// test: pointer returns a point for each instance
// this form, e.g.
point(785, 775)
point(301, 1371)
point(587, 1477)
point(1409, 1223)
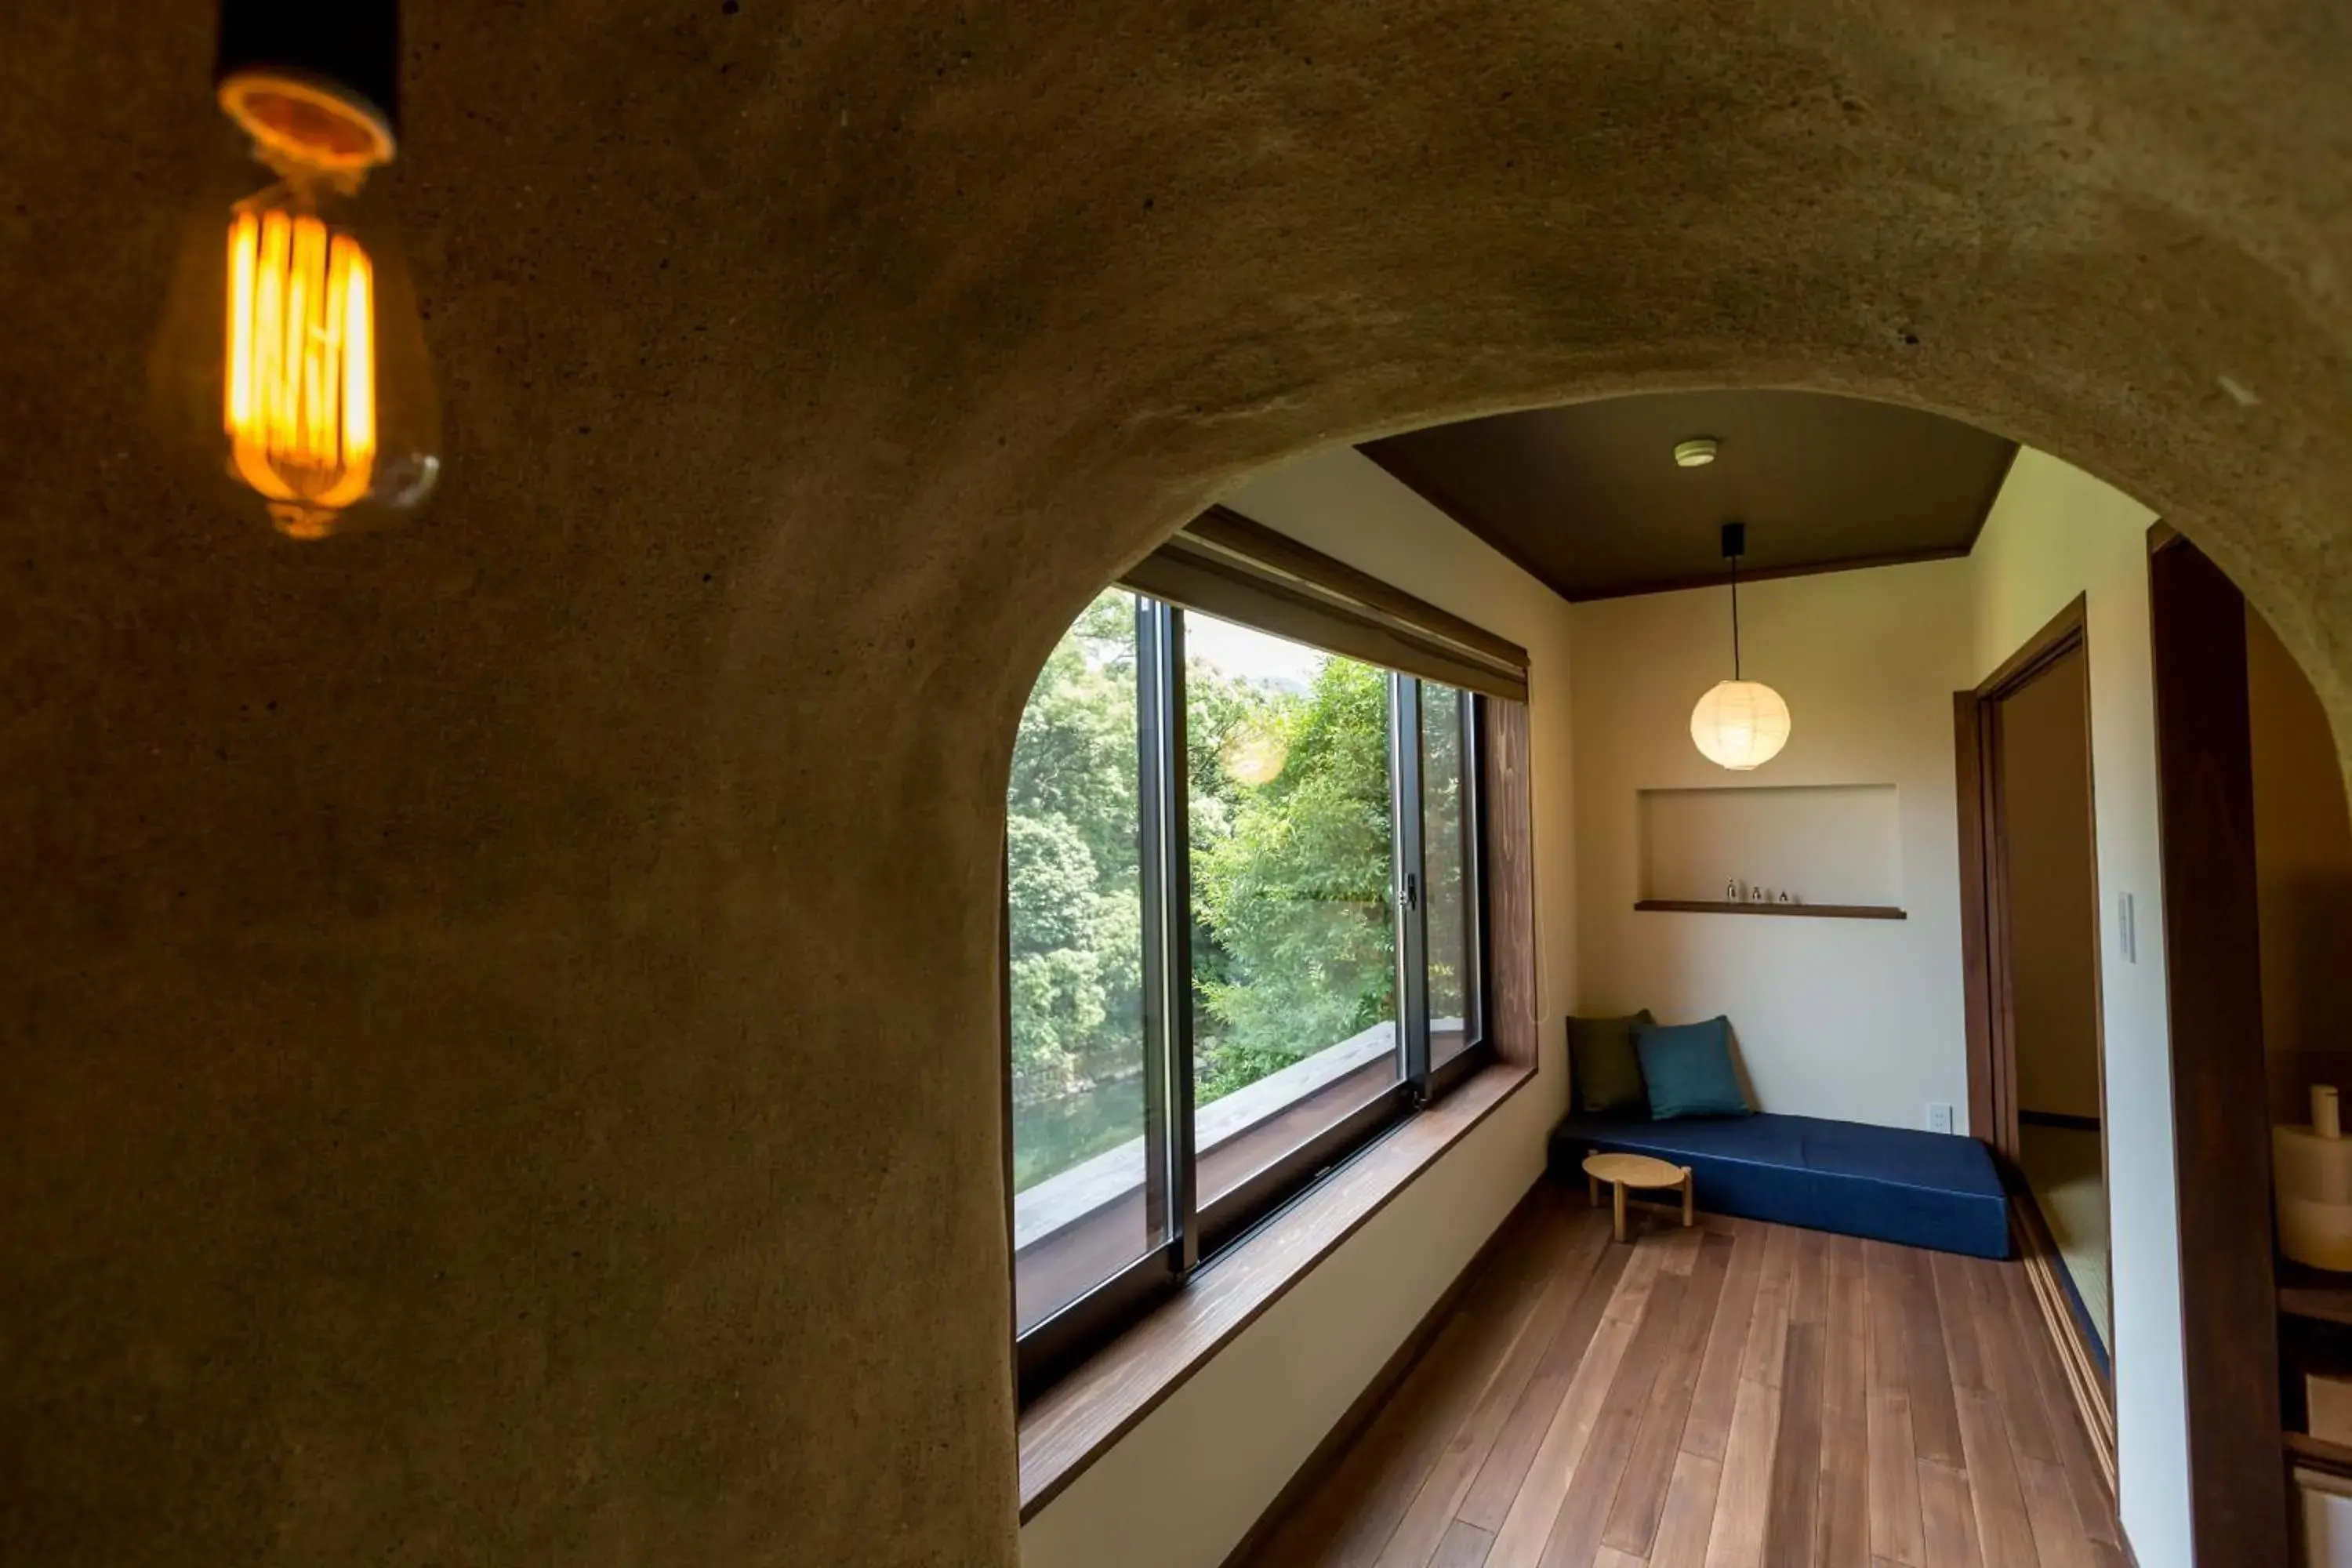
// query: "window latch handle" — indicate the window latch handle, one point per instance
point(1412, 891)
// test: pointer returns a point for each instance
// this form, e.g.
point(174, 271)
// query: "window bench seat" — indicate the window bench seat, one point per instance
point(1891, 1184)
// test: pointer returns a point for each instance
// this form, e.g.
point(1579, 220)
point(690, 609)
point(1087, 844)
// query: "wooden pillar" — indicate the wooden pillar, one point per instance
point(2212, 948)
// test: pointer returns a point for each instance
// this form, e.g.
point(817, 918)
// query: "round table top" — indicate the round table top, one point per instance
point(1633, 1170)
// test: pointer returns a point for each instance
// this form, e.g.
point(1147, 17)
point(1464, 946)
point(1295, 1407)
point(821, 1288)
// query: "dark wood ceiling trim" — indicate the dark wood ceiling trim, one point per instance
point(1401, 469)
point(1992, 494)
point(1751, 574)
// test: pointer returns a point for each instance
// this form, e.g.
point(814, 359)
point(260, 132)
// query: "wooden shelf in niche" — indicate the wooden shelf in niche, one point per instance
point(1819, 911)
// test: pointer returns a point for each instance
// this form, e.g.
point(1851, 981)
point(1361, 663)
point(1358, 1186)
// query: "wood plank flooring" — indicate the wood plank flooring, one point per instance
point(1742, 1396)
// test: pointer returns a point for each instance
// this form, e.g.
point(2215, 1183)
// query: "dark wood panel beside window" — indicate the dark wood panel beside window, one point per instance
point(1510, 881)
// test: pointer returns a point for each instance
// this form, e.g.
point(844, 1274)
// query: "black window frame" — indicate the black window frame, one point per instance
point(1440, 1078)
point(1197, 1234)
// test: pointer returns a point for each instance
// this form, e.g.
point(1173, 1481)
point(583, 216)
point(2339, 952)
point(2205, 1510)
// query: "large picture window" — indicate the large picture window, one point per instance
point(1244, 938)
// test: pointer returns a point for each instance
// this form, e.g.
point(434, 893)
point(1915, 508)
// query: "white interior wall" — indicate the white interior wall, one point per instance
point(1857, 1020)
point(1826, 843)
point(2055, 532)
point(1182, 1488)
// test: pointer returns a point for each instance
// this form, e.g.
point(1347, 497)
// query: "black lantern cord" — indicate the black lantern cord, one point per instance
point(1735, 545)
point(1734, 617)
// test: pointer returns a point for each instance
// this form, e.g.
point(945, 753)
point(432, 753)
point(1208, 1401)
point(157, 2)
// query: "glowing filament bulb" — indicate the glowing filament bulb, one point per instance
point(298, 397)
point(289, 374)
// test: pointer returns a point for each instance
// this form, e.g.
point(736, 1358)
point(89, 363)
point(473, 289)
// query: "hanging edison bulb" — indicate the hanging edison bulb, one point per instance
point(291, 366)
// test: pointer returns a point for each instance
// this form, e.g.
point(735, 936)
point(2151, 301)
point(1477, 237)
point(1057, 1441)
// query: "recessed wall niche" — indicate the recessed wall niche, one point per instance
point(1835, 849)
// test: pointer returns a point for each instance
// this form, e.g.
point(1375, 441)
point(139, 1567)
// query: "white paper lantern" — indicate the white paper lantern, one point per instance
point(1740, 724)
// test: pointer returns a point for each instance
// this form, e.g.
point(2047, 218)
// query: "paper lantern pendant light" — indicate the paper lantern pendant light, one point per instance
point(1738, 724)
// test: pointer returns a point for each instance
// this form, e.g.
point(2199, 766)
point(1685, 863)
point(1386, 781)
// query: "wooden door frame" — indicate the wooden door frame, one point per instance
point(2220, 1114)
point(1991, 1001)
point(1984, 871)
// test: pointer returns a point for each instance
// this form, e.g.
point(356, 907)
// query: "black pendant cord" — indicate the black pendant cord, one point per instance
point(1734, 617)
point(1735, 545)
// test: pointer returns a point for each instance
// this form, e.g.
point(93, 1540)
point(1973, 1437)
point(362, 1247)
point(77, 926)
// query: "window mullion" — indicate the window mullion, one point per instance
point(1410, 887)
point(1158, 1163)
point(1473, 863)
point(1173, 932)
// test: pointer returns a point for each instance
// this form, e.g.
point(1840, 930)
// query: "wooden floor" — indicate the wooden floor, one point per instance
point(1736, 1395)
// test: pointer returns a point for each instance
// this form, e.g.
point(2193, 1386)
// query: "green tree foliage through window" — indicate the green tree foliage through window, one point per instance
point(1294, 944)
point(1447, 851)
point(1075, 906)
point(1293, 930)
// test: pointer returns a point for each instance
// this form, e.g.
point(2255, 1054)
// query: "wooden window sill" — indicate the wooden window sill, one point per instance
point(1078, 1419)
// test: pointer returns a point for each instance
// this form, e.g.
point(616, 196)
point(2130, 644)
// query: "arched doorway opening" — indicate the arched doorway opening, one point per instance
point(2030, 554)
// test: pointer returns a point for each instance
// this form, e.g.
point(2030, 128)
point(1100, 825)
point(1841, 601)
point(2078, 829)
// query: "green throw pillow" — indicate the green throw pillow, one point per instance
point(1602, 1063)
point(1687, 1067)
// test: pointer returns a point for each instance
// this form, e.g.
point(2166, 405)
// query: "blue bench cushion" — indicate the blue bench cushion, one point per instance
point(1921, 1189)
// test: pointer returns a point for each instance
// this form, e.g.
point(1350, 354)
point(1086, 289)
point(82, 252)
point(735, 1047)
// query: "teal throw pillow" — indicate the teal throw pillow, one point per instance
point(1602, 1063)
point(1688, 1069)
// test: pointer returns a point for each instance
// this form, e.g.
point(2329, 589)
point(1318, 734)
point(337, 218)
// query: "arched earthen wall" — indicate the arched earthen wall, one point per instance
point(499, 1016)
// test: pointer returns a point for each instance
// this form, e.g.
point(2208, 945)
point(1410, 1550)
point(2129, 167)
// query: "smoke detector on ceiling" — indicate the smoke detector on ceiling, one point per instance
point(1696, 453)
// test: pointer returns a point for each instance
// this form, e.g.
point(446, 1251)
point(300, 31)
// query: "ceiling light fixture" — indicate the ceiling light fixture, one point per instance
point(291, 363)
point(1696, 453)
point(1738, 724)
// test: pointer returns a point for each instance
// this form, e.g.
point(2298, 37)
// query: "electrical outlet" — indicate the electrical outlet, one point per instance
point(1939, 1117)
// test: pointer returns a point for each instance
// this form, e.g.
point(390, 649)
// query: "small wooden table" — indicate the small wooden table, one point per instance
point(1622, 1171)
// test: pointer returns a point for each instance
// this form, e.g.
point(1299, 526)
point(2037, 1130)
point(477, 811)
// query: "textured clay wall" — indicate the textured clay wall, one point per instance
point(500, 1059)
